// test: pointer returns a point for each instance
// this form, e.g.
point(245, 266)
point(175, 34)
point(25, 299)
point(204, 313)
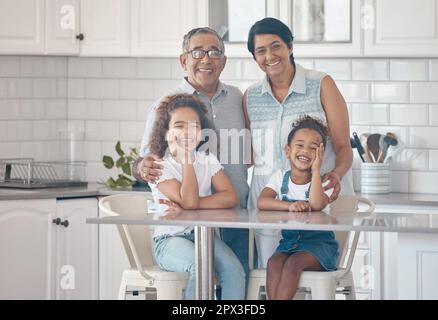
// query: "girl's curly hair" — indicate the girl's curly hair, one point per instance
point(307, 122)
point(158, 144)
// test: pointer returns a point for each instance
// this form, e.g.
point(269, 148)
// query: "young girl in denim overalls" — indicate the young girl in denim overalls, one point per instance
point(299, 189)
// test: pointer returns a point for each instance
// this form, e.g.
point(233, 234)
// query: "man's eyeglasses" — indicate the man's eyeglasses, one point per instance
point(199, 53)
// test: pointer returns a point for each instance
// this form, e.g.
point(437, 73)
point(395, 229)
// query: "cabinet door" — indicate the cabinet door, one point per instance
point(105, 26)
point(403, 28)
point(77, 245)
point(62, 25)
point(159, 31)
point(21, 26)
point(26, 249)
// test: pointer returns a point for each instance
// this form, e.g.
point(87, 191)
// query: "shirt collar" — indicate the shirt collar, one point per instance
point(298, 83)
point(186, 87)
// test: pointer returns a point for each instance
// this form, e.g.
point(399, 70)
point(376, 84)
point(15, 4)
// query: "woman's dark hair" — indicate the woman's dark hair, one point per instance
point(307, 122)
point(158, 144)
point(271, 26)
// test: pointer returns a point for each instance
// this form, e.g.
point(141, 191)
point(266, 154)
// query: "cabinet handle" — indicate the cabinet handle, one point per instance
point(57, 221)
point(64, 223)
point(80, 36)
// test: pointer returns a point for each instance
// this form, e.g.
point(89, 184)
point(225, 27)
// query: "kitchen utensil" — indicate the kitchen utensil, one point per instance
point(390, 139)
point(373, 145)
point(358, 145)
point(363, 140)
point(393, 150)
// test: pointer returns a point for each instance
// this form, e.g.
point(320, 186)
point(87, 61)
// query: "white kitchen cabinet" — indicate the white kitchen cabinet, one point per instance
point(105, 25)
point(401, 28)
point(22, 26)
point(47, 251)
point(62, 27)
point(158, 30)
point(76, 250)
point(27, 249)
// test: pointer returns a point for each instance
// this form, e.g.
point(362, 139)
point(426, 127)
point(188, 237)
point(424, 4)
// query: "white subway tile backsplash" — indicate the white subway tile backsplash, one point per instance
point(92, 151)
point(305, 63)
point(338, 69)
point(143, 107)
point(75, 88)
point(19, 130)
point(101, 130)
point(409, 114)
point(424, 92)
point(9, 66)
point(154, 68)
point(20, 88)
point(369, 69)
point(62, 86)
point(119, 109)
point(177, 70)
point(409, 69)
point(433, 114)
point(3, 88)
point(119, 68)
point(9, 109)
point(95, 171)
point(84, 109)
point(56, 109)
point(163, 87)
point(45, 88)
point(433, 70)
point(33, 66)
point(232, 70)
point(136, 89)
point(131, 130)
point(44, 130)
point(354, 91)
point(251, 70)
point(399, 181)
point(411, 159)
point(56, 67)
point(363, 114)
point(10, 149)
point(433, 160)
point(102, 88)
point(84, 67)
point(423, 137)
point(33, 149)
point(423, 182)
point(32, 109)
point(3, 132)
point(72, 125)
point(390, 92)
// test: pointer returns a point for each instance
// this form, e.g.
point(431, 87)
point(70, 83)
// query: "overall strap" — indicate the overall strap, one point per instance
point(285, 186)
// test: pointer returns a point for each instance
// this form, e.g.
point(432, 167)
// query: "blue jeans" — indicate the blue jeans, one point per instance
point(177, 253)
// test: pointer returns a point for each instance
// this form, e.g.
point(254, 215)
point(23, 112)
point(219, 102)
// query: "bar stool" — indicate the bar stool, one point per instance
point(144, 271)
point(323, 285)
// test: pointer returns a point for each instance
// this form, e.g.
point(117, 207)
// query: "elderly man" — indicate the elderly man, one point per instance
point(203, 60)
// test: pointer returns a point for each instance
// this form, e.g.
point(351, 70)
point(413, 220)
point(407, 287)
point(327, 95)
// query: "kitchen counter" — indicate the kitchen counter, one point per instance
point(92, 190)
point(95, 189)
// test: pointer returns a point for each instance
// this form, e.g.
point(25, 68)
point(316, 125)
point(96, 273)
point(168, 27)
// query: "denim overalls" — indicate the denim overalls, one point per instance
point(321, 244)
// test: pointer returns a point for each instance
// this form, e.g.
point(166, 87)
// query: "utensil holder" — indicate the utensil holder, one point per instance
point(375, 177)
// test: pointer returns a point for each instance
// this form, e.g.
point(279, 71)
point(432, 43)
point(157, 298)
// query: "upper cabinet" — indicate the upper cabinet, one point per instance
point(402, 28)
point(158, 30)
point(22, 26)
point(105, 27)
point(151, 28)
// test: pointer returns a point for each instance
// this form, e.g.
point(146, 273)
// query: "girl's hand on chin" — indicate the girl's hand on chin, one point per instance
point(319, 155)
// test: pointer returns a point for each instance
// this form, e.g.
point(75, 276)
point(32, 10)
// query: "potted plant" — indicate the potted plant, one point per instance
point(124, 163)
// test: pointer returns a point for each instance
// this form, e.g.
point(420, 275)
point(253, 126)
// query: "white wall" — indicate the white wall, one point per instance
point(107, 100)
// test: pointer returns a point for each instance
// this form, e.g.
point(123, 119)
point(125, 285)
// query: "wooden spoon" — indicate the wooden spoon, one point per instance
point(373, 145)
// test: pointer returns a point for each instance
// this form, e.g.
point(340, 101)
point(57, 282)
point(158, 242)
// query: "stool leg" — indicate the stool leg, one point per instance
point(323, 290)
point(169, 290)
point(254, 286)
point(122, 290)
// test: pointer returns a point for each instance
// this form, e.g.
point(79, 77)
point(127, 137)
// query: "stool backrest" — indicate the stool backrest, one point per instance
point(348, 206)
point(136, 239)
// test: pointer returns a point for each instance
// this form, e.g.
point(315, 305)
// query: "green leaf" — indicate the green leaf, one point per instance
point(124, 181)
point(126, 168)
point(120, 162)
point(108, 162)
point(111, 183)
point(119, 149)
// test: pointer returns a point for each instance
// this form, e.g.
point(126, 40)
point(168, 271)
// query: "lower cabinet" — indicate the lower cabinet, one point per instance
point(47, 251)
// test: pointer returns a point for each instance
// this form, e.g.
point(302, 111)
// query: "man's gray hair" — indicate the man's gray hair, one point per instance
point(194, 32)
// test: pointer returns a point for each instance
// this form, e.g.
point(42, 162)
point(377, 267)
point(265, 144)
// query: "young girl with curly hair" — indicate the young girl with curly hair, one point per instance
point(185, 183)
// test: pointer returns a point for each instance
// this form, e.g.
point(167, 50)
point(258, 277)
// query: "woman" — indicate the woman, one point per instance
point(271, 106)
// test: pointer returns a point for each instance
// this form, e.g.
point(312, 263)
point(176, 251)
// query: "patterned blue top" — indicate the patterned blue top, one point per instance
point(271, 122)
